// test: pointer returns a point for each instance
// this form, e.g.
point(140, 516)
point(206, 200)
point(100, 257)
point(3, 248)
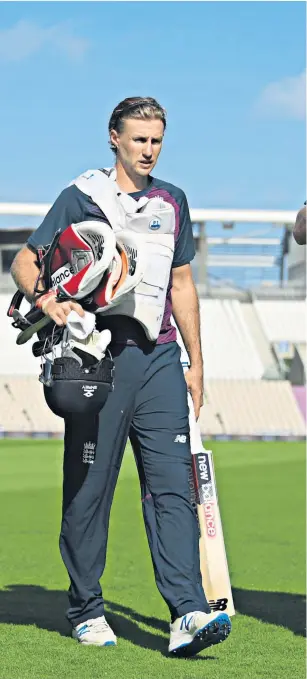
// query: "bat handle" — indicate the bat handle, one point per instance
point(26, 334)
point(195, 435)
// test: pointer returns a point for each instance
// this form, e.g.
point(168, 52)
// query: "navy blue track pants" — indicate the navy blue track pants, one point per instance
point(148, 405)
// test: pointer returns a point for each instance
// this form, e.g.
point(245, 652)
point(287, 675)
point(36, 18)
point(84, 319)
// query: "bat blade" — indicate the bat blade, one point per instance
point(213, 559)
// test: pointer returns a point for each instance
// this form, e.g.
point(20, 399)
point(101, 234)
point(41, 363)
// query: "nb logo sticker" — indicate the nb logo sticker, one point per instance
point(218, 605)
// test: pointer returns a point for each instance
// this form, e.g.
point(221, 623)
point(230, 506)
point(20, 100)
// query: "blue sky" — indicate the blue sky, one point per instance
point(230, 74)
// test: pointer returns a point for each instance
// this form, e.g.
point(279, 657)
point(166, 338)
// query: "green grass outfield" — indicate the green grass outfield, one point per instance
point(262, 498)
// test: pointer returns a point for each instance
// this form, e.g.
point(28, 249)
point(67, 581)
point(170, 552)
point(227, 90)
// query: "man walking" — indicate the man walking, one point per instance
point(148, 403)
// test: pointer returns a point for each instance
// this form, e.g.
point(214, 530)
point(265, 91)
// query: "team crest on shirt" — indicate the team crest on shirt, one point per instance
point(154, 224)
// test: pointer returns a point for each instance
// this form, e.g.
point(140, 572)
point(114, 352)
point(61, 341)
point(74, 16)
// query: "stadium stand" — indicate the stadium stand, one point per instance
point(300, 396)
point(12, 418)
point(240, 400)
point(301, 348)
point(228, 347)
point(17, 360)
point(253, 322)
point(210, 418)
point(282, 321)
point(232, 407)
point(254, 408)
point(23, 407)
point(257, 333)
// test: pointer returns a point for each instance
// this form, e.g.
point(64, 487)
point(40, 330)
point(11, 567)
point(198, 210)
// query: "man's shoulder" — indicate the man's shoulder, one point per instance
point(75, 205)
point(73, 197)
point(177, 193)
point(71, 194)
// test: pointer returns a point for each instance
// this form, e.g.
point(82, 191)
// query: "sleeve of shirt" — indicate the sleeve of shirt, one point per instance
point(184, 246)
point(66, 210)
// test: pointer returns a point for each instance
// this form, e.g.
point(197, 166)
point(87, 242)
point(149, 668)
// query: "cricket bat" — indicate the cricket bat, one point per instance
point(213, 559)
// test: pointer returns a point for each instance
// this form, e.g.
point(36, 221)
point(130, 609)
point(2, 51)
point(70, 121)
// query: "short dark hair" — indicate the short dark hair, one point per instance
point(144, 108)
point(299, 229)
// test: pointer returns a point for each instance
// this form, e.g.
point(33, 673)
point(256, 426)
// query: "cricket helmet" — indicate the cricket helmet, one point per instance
point(71, 388)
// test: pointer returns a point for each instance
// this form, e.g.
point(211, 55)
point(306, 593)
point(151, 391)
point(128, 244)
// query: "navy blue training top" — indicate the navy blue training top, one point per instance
point(73, 206)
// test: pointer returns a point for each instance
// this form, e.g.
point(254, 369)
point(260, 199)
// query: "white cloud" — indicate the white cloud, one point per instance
point(285, 99)
point(26, 38)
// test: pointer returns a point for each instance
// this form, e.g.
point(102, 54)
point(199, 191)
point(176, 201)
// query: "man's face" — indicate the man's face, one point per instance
point(139, 145)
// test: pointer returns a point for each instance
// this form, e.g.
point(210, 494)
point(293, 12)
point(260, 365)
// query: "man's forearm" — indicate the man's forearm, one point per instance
point(25, 272)
point(186, 314)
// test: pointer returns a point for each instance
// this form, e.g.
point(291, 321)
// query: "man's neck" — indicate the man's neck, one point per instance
point(130, 183)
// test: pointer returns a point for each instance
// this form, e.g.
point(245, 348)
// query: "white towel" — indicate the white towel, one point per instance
point(103, 341)
point(80, 327)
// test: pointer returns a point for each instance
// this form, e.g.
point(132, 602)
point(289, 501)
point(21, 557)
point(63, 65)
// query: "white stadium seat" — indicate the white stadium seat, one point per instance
point(255, 408)
point(23, 407)
point(229, 350)
point(282, 321)
point(14, 359)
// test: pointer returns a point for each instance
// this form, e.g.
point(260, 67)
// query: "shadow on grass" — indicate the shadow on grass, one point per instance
point(277, 608)
point(34, 605)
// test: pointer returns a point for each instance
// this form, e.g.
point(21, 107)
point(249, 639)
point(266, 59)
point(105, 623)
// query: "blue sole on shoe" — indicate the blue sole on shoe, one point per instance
point(213, 633)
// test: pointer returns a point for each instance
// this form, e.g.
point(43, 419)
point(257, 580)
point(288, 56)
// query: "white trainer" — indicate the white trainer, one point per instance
point(94, 632)
point(195, 631)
